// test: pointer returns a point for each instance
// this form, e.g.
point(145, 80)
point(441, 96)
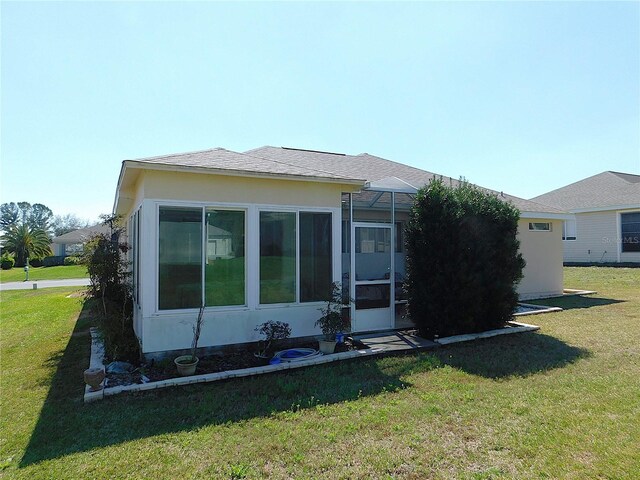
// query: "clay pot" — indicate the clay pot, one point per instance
point(94, 377)
point(185, 366)
point(327, 347)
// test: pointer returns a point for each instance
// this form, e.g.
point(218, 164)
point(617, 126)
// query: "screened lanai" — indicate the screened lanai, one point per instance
point(373, 254)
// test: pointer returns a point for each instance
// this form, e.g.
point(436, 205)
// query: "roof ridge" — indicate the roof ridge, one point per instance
point(280, 162)
point(169, 155)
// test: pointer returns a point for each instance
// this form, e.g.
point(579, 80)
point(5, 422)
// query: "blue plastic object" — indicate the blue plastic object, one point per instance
point(275, 360)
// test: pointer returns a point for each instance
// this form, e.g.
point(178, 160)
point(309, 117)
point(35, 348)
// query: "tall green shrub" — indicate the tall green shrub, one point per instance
point(463, 260)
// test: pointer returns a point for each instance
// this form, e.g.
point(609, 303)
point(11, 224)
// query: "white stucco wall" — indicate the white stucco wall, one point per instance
point(172, 330)
point(598, 239)
point(543, 253)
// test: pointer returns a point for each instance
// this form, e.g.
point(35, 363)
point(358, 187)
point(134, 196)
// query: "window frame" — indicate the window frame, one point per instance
point(203, 206)
point(570, 238)
point(297, 211)
point(532, 229)
point(620, 225)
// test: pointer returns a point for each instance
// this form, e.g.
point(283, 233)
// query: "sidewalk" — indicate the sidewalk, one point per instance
point(71, 282)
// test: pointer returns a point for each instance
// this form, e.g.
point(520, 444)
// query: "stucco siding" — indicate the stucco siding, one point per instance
point(543, 253)
point(246, 190)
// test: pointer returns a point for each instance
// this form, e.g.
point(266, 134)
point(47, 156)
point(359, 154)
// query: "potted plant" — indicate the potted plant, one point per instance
point(187, 364)
point(272, 331)
point(332, 322)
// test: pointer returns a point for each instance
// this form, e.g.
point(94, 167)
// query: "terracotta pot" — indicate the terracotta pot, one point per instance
point(327, 347)
point(185, 366)
point(94, 377)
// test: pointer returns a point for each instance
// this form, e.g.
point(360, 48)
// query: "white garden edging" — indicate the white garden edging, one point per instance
point(516, 328)
point(96, 361)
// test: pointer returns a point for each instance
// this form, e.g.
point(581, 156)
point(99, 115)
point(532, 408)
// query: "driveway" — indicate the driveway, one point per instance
point(71, 282)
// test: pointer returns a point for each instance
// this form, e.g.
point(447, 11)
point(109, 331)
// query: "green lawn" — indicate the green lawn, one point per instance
point(563, 402)
point(16, 274)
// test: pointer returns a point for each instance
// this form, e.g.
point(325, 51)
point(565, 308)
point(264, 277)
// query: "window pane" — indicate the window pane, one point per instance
point(180, 258)
point(346, 245)
point(277, 257)
point(539, 226)
point(315, 256)
point(224, 258)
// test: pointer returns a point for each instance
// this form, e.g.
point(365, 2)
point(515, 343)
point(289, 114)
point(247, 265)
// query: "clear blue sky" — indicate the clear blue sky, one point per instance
point(519, 97)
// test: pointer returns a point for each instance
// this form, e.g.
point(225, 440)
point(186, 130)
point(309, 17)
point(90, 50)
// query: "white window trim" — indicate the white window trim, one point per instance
point(566, 238)
point(252, 252)
point(550, 229)
point(203, 206)
point(296, 210)
point(619, 232)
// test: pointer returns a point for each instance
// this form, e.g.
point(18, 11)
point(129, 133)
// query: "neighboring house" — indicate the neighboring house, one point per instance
point(71, 243)
point(606, 227)
point(260, 235)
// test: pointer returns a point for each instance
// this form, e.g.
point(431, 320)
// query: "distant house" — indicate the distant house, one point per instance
point(606, 227)
point(71, 243)
point(260, 235)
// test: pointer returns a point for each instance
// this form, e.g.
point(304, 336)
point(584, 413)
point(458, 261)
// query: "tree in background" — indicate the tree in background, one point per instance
point(62, 224)
point(26, 242)
point(463, 260)
point(36, 216)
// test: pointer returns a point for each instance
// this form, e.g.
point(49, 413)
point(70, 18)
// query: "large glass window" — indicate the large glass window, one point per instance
point(315, 256)
point(630, 225)
point(277, 257)
point(180, 258)
point(224, 258)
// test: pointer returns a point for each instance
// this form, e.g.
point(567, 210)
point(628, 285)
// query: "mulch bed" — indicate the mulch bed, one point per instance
point(217, 362)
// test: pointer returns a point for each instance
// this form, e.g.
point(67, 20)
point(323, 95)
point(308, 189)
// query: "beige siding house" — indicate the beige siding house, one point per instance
point(260, 235)
point(606, 223)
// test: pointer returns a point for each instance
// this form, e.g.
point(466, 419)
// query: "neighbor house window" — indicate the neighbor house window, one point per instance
point(285, 239)
point(277, 257)
point(224, 257)
point(630, 235)
point(180, 258)
point(569, 230)
point(540, 226)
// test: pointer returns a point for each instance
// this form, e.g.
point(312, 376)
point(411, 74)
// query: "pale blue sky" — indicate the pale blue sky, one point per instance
point(519, 97)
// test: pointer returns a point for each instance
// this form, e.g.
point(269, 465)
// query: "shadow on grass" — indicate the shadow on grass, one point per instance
point(520, 354)
point(578, 301)
point(68, 426)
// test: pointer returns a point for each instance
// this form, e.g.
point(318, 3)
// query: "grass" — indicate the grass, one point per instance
point(560, 403)
point(16, 274)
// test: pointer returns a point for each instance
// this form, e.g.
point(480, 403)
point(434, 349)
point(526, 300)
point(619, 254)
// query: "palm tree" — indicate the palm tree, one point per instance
point(26, 242)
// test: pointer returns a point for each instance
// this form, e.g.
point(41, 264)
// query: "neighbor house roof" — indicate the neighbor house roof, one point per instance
point(81, 235)
point(378, 170)
point(604, 191)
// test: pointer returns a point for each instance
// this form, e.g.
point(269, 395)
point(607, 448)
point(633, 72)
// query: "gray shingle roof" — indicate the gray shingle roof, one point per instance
point(222, 159)
point(607, 189)
point(376, 168)
point(283, 161)
point(81, 235)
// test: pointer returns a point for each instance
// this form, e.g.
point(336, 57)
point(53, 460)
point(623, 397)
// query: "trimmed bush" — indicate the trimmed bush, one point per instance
point(463, 263)
point(6, 261)
point(36, 262)
point(53, 261)
point(72, 261)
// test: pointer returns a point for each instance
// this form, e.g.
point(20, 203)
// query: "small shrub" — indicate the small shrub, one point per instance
point(332, 320)
point(72, 261)
point(36, 262)
point(53, 261)
point(272, 332)
point(6, 261)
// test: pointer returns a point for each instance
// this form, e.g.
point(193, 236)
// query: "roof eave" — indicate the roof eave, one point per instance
point(239, 173)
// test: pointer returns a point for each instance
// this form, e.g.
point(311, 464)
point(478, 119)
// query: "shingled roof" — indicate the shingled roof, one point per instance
point(606, 189)
point(314, 165)
point(377, 168)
